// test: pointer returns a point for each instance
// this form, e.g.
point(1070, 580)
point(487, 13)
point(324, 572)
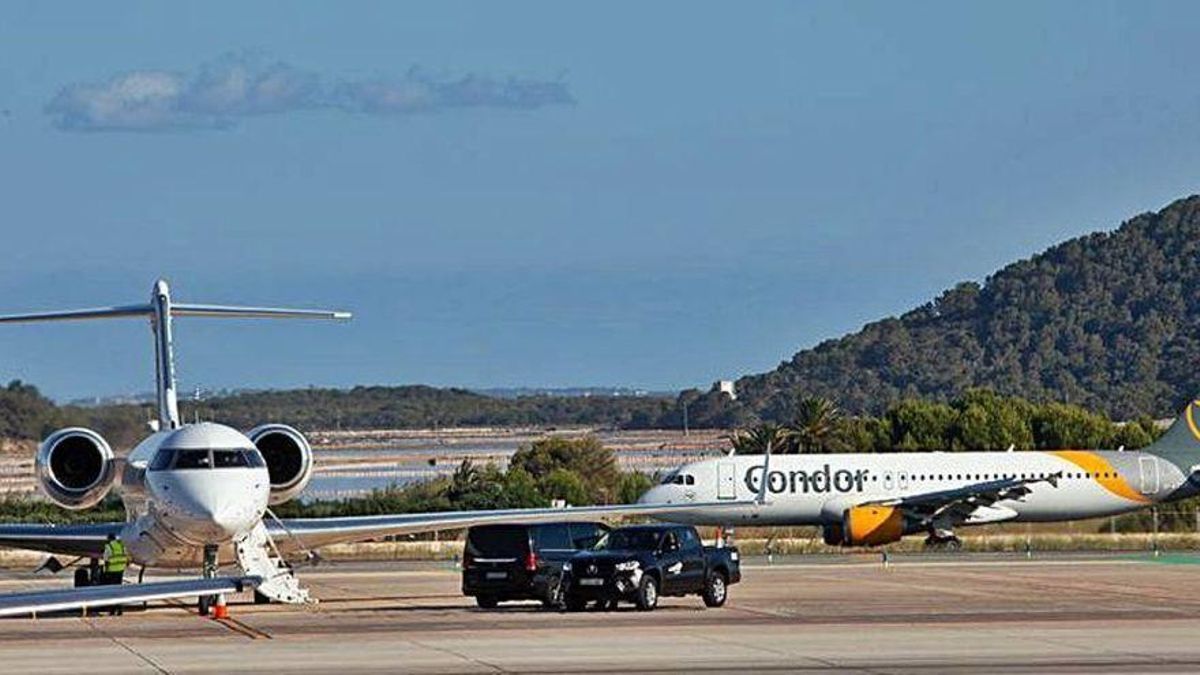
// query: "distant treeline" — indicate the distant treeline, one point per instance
point(977, 420)
point(25, 413)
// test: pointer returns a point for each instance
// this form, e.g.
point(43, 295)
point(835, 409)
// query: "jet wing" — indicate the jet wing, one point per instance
point(958, 504)
point(35, 602)
point(315, 532)
point(74, 540)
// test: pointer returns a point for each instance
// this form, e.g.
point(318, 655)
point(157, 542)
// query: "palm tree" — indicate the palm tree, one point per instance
point(754, 440)
point(812, 425)
point(465, 480)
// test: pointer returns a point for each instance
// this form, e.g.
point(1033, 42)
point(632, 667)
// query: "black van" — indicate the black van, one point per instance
point(522, 562)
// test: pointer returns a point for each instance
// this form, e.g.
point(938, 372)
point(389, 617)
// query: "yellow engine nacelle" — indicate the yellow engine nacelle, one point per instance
point(872, 525)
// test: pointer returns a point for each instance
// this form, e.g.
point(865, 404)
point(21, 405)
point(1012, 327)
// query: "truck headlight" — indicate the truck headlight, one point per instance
point(567, 566)
point(627, 566)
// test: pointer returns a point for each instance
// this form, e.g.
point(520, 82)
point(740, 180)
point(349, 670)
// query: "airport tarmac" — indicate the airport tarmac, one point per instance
point(998, 613)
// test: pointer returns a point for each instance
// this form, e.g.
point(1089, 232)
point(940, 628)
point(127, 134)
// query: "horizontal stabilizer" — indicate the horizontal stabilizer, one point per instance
point(179, 309)
point(231, 312)
point(81, 314)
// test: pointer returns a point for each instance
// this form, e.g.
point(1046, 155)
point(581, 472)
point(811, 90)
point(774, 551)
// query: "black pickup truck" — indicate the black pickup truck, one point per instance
point(641, 563)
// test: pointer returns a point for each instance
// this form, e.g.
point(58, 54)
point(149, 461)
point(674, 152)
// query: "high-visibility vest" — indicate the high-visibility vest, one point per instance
point(115, 558)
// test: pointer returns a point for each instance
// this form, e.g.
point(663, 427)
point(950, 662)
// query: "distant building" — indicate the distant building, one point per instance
point(726, 387)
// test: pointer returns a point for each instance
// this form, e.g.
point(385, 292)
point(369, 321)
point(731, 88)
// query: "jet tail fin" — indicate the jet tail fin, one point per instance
point(1181, 444)
point(161, 310)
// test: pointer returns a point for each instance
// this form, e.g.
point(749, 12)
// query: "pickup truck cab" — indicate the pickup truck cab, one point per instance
point(642, 563)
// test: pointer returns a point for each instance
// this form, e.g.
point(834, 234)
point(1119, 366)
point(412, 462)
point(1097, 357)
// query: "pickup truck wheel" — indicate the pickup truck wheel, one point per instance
point(647, 594)
point(487, 601)
point(716, 589)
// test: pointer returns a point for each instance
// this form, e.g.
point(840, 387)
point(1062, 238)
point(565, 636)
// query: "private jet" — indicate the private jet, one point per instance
point(198, 496)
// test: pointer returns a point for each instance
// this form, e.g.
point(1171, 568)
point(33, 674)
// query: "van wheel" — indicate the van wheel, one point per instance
point(487, 601)
point(647, 594)
point(716, 590)
point(574, 603)
point(82, 577)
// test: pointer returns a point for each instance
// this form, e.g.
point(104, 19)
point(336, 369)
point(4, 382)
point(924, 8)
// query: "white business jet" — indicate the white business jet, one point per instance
point(198, 496)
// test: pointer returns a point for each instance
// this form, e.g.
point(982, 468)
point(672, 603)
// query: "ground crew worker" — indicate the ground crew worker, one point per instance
point(115, 562)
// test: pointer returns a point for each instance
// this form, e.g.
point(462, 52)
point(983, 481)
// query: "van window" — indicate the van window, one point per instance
point(498, 541)
point(552, 537)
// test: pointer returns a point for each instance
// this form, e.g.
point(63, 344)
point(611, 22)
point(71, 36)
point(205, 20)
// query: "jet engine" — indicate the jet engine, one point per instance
point(289, 459)
point(75, 467)
point(872, 525)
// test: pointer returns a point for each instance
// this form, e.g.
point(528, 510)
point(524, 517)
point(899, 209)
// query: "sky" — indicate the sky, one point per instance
point(652, 195)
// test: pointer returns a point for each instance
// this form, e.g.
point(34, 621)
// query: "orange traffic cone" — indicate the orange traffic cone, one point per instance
point(221, 610)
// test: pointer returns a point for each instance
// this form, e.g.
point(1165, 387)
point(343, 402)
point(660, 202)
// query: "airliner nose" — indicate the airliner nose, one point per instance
point(659, 494)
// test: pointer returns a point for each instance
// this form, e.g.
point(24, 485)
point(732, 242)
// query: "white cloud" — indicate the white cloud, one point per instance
point(234, 86)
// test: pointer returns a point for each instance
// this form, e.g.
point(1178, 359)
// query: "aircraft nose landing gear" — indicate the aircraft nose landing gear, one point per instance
point(206, 602)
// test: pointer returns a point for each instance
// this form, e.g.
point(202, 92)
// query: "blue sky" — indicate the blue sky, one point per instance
point(552, 194)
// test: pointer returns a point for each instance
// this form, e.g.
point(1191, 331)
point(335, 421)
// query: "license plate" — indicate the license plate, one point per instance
point(497, 575)
point(591, 582)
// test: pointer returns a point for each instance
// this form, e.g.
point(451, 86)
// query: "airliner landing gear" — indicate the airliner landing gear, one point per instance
point(943, 542)
point(209, 571)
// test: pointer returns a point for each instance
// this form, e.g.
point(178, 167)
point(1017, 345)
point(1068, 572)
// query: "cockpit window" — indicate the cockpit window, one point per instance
point(192, 459)
point(223, 459)
point(234, 458)
point(162, 459)
point(679, 479)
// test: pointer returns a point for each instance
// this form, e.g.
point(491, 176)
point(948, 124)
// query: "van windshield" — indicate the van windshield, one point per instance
point(498, 541)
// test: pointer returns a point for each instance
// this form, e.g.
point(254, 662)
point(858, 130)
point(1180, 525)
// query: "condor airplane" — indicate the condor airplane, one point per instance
point(198, 496)
point(874, 499)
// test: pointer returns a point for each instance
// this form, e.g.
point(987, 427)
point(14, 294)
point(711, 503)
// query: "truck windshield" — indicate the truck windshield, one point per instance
point(628, 540)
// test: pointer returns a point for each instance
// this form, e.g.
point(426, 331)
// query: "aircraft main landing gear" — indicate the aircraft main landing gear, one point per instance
point(936, 542)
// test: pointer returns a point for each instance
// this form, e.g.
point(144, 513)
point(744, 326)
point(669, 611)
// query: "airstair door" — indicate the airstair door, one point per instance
point(1150, 477)
point(726, 480)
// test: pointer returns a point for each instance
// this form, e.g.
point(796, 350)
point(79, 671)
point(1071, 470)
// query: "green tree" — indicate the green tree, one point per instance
point(633, 484)
point(587, 458)
point(920, 425)
point(755, 440)
point(566, 485)
point(987, 421)
point(812, 425)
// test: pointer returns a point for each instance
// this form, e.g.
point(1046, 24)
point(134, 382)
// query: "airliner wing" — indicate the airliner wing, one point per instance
point(314, 532)
point(89, 597)
point(959, 503)
point(76, 540)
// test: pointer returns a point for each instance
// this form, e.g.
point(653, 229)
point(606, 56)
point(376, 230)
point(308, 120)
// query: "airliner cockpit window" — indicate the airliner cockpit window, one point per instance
point(670, 478)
